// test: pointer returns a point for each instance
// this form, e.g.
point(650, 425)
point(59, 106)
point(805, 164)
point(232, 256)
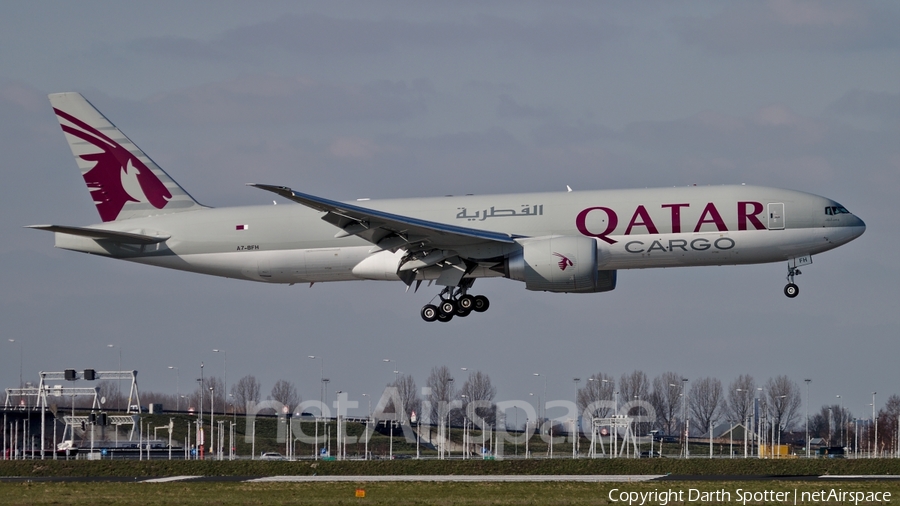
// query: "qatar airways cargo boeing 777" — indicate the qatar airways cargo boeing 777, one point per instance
point(571, 242)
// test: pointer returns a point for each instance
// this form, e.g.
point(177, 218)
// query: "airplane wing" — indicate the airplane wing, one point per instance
point(387, 230)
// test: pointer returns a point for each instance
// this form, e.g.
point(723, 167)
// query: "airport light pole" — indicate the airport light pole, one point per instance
point(212, 415)
point(807, 380)
point(684, 416)
point(224, 369)
point(369, 421)
point(177, 387)
point(447, 435)
point(200, 417)
point(338, 425)
point(778, 426)
point(746, 420)
point(875, 421)
point(576, 423)
point(842, 420)
point(760, 433)
point(544, 404)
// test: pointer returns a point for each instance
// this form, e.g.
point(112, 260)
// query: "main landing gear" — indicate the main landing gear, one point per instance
point(791, 289)
point(454, 302)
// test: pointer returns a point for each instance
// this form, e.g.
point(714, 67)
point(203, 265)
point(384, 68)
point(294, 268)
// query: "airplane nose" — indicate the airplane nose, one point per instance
point(859, 224)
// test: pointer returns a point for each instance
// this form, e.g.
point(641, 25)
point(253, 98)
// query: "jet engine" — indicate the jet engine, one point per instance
point(560, 264)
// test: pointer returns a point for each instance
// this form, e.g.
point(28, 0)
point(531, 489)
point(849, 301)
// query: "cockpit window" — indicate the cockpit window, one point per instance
point(833, 210)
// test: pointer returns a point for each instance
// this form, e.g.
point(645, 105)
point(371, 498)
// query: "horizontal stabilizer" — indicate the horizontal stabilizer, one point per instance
point(106, 235)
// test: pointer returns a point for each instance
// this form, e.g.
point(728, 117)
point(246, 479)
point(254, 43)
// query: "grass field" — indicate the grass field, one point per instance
point(147, 494)
point(682, 467)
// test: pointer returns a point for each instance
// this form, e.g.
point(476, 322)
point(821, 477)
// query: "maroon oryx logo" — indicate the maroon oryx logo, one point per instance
point(113, 164)
point(564, 261)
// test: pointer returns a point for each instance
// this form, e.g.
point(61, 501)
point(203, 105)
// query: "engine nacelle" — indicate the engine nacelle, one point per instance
point(560, 264)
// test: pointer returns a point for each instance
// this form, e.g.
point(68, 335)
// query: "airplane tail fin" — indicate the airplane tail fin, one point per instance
point(124, 182)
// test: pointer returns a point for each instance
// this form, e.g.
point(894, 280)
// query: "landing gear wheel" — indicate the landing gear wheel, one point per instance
point(481, 304)
point(466, 302)
point(462, 313)
point(444, 318)
point(791, 290)
point(448, 306)
point(429, 313)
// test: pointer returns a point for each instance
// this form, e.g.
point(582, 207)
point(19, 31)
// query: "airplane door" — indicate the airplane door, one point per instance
point(776, 216)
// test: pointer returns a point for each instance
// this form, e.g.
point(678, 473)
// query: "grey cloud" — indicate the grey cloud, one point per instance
point(270, 99)
point(509, 108)
point(773, 143)
point(322, 35)
point(557, 132)
point(744, 27)
point(178, 48)
point(882, 105)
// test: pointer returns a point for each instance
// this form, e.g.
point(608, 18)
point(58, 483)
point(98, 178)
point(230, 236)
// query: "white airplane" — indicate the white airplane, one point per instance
point(567, 241)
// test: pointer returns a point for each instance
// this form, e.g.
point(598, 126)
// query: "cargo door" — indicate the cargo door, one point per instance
point(776, 216)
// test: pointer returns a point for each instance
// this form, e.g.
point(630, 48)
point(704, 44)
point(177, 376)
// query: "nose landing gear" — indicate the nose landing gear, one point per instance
point(454, 302)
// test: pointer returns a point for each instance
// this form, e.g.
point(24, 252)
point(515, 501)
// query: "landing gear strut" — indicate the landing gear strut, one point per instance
point(791, 289)
point(455, 302)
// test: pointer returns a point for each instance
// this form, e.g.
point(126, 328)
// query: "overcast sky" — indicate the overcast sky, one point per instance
point(395, 99)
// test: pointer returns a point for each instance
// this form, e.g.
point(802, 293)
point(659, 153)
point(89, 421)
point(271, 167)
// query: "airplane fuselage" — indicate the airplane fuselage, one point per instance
point(633, 229)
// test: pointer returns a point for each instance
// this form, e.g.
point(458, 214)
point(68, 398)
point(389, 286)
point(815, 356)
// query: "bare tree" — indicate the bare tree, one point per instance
point(441, 384)
point(478, 387)
point(888, 418)
point(634, 386)
point(706, 402)
point(245, 391)
point(666, 399)
point(818, 424)
point(828, 423)
point(286, 393)
point(167, 400)
point(741, 393)
point(784, 399)
point(633, 389)
point(409, 396)
point(599, 387)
